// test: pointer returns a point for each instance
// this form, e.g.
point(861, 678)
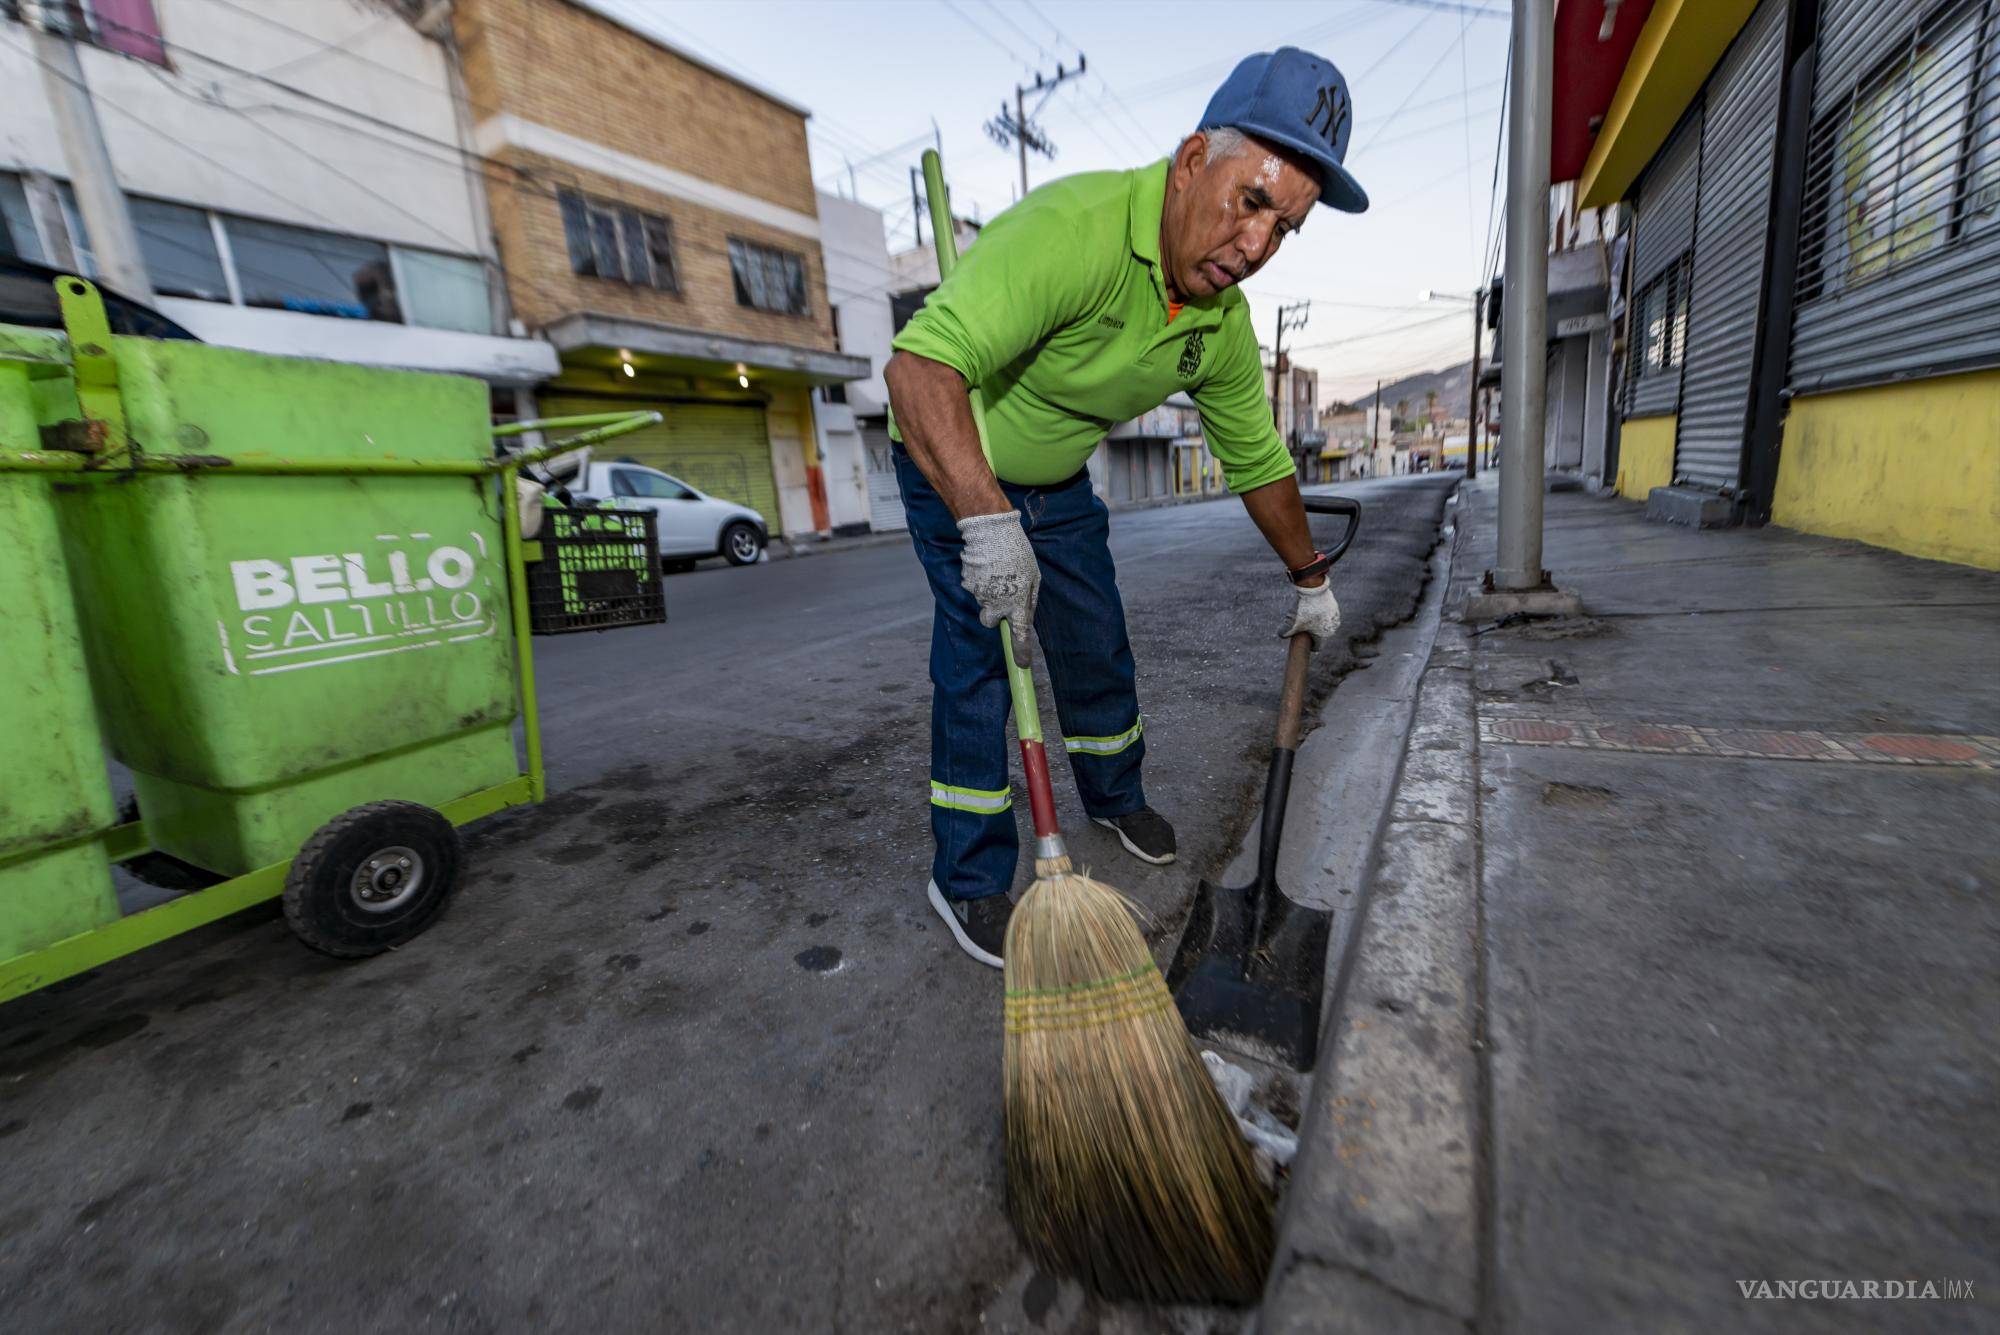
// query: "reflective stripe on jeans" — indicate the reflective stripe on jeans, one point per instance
point(979, 801)
point(1105, 746)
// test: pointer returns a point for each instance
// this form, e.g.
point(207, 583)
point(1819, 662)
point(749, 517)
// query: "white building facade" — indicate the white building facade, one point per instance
point(861, 489)
point(295, 174)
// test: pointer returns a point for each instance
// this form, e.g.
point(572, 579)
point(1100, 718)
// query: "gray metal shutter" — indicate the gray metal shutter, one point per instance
point(1661, 235)
point(1738, 141)
point(1938, 310)
point(722, 449)
point(885, 494)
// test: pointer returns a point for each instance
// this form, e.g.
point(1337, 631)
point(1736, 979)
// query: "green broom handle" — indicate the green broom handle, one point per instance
point(1020, 680)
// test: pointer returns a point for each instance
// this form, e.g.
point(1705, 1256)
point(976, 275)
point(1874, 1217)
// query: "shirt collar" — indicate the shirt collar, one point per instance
point(1149, 194)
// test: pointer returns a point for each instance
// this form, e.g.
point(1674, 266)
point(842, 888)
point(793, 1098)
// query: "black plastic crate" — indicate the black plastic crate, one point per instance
point(600, 569)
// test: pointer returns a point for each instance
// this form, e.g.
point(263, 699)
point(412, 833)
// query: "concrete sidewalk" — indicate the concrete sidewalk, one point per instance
point(1679, 964)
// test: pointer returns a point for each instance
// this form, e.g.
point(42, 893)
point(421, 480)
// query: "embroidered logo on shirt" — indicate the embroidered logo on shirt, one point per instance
point(1109, 320)
point(1190, 356)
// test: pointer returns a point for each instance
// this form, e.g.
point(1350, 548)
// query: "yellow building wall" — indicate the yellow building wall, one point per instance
point(1913, 467)
point(1645, 455)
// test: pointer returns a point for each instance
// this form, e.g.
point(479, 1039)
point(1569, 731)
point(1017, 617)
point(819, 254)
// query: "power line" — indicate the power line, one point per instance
point(1465, 98)
point(1419, 82)
point(1378, 333)
point(1493, 191)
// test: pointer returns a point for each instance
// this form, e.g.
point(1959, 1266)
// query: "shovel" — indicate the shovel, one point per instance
point(1251, 967)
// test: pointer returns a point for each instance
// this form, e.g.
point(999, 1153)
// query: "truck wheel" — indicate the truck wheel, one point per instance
point(742, 544)
point(371, 878)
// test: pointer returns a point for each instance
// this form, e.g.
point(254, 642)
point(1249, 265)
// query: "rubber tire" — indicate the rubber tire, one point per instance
point(729, 548)
point(318, 905)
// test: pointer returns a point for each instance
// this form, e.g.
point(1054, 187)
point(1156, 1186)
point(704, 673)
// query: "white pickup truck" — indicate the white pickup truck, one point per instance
point(691, 523)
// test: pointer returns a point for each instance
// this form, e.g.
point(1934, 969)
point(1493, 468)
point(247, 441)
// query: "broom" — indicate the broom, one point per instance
point(1124, 1166)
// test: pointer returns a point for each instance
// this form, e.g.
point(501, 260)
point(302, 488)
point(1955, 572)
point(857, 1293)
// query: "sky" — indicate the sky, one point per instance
point(883, 77)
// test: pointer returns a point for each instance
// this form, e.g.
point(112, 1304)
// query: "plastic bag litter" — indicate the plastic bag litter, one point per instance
point(1259, 1127)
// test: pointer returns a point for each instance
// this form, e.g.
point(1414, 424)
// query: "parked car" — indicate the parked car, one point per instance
point(692, 523)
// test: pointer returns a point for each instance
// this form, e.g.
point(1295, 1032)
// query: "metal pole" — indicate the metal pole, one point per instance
point(114, 242)
point(1375, 434)
point(1524, 313)
point(1472, 392)
point(916, 208)
point(1021, 135)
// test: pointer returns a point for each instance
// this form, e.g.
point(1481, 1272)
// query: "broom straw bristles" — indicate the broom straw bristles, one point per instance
point(1124, 1166)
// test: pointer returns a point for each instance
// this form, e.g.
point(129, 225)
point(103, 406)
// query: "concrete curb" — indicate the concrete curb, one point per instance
point(1382, 1223)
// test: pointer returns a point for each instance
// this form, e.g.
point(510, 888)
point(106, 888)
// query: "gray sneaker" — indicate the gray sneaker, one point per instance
point(978, 925)
point(1145, 834)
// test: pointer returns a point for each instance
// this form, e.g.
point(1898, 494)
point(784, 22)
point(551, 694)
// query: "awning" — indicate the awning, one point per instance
point(1670, 60)
point(1590, 55)
point(590, 339)
point(1579, 288)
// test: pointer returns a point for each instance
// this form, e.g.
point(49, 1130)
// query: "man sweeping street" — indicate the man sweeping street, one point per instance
point(1086, 304)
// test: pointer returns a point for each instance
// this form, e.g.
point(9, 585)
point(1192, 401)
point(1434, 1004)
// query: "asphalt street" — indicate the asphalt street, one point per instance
point(690, 1050)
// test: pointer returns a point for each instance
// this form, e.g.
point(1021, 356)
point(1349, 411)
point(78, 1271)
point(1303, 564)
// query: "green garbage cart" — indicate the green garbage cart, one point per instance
point(299, 593)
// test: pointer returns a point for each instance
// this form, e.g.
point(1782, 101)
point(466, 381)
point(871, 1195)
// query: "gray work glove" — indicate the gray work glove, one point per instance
point(1317, 614)
point(998, 569)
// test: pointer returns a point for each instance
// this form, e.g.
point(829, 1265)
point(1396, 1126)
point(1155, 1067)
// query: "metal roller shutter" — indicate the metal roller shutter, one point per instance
point(1663, 232)
point(1732, 216)
point(885, 494)
point(720, 448)
point(1899, 264)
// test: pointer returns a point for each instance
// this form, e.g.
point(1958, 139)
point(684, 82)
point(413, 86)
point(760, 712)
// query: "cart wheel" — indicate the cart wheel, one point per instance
point(372, 878)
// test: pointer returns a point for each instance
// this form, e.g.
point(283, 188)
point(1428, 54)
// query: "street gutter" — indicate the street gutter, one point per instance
point(1380, 1224)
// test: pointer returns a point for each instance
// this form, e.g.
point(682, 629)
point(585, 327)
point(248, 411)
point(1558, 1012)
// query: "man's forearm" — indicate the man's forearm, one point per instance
point(1281, 517)
point(935, 420)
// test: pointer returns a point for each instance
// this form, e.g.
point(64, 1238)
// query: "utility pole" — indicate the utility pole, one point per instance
point(916, 208)
point(1517, 582)
point(1285, 321)
point(1523, 383)
point(1472, 391)
point(114, 242)
point(1017, 127)
point(1375, 442)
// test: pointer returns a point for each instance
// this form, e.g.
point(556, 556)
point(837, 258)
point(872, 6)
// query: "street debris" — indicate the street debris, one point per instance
point(1264, 1131)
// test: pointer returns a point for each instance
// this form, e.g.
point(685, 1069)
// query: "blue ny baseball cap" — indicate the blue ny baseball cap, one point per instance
point(1292, 97)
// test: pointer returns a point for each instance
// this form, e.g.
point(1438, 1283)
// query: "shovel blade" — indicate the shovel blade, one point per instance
point(1271, 1010)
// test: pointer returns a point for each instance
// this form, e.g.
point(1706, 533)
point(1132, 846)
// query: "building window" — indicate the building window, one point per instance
point(443, 291)
point(1911, 159)
point(178, 245)
point(768, 279)
point(18, 237)
point(1659, 321)
point(317, 273)
point(127, 26)
point(618, 243)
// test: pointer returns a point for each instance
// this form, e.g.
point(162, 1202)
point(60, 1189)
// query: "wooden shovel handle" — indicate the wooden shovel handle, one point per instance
point(1292, 702)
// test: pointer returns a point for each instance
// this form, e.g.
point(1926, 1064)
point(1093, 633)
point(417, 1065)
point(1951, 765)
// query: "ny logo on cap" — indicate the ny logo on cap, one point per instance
point(1333, 101)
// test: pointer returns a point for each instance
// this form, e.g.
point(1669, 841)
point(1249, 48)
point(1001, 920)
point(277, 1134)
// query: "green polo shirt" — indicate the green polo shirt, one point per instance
point(1058, 314)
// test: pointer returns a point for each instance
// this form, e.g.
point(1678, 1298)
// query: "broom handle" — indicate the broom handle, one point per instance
point(1292, 701)
point(1020, 680)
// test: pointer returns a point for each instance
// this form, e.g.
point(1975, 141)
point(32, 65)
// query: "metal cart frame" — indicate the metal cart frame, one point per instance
point(104, 447)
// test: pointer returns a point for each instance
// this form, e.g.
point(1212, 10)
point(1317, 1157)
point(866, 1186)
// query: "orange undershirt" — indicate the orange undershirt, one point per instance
point(1173, 309)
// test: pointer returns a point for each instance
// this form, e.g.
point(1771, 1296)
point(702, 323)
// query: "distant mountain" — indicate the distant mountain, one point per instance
point(1452, 383)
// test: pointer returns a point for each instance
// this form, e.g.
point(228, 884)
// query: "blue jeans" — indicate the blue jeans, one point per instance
point(1080, 622)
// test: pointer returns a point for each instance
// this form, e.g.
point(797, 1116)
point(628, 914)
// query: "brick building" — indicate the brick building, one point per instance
point(662, 232)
